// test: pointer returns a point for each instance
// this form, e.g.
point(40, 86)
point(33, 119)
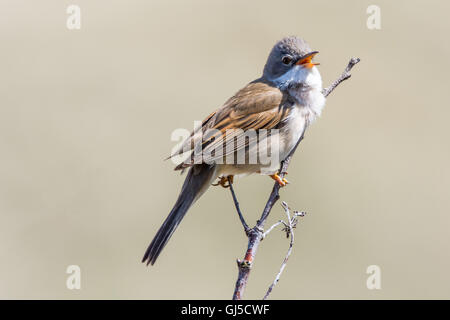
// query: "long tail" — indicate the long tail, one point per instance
point(198, 179)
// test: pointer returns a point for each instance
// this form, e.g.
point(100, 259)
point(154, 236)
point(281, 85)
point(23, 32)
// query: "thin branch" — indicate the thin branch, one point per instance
point(236, 204)
point(289, 228)
point(255, 234)
point(273, 227)
point(344, 76)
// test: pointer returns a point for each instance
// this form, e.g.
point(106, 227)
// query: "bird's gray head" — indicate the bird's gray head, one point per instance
point(289, 62)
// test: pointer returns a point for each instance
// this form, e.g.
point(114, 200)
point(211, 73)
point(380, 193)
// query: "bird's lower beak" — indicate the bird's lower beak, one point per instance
point(305, 61)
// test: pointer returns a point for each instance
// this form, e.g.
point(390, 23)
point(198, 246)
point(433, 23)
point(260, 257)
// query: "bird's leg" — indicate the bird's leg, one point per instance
point(223, 181)
point(281, 182)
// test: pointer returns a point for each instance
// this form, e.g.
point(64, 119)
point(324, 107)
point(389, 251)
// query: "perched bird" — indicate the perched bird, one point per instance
point(285, 99)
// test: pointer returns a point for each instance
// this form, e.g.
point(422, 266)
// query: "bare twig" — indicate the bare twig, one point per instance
point(344, 76)
point(256, 234)
point(289, 228)
point(236, 204)
point(273, 227)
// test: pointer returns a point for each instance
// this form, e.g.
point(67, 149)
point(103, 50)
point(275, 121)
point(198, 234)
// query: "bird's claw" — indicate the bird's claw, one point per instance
point(281, 181)
point(224, 182)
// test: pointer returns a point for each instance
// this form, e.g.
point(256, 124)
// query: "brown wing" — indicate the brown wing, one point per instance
point(257, 106)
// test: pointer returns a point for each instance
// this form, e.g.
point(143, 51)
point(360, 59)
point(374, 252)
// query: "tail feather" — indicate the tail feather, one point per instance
point(197, 181)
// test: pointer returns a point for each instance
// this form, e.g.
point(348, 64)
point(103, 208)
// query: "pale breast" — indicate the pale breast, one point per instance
point(293, 128)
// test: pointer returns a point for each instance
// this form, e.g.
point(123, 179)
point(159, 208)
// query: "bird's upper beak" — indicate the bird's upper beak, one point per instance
point(305, 60)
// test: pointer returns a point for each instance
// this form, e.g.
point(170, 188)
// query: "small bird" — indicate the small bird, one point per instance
point(286, 98)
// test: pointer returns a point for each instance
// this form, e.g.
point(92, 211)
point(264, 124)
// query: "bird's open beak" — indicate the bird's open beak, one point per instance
point(305, 61)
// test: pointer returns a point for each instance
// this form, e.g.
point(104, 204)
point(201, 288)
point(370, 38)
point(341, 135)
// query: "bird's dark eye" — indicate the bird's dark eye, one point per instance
point(286, 59)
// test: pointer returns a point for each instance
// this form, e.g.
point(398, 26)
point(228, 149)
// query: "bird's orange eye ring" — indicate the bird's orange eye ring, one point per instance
point(286, 59)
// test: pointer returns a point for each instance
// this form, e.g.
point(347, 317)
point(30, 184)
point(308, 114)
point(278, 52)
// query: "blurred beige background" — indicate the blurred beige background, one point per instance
point(86, 118)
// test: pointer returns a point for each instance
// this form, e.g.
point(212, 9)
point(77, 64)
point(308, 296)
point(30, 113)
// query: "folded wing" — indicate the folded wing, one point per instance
point(258, 105)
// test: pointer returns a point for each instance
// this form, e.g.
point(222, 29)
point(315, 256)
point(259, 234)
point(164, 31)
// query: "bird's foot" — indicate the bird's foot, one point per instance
point(224, 181)
point(277, 178)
